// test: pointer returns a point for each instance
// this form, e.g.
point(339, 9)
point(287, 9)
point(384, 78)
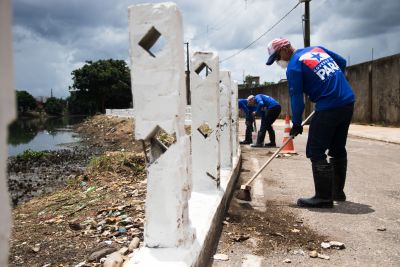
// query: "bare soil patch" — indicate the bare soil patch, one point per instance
point(275, 229)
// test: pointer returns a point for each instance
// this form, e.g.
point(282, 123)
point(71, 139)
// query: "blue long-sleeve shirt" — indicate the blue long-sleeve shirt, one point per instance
point(248, 110)
point(264, 102)
point(319, 73)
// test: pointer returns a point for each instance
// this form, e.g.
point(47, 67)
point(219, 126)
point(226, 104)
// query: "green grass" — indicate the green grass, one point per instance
point(31, 154)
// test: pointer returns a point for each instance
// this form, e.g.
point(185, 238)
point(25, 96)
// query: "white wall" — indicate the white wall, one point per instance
point(7, 114)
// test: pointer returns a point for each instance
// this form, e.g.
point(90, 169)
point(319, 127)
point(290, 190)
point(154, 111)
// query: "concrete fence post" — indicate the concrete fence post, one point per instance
point(158, 85)
point(226, 119)
point(205, 121)
point(7, 114)
point(235, 117)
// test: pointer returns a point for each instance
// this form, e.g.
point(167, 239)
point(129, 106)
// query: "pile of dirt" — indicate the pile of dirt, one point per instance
point(275, 229)
point(99, 209)
point(110, 133)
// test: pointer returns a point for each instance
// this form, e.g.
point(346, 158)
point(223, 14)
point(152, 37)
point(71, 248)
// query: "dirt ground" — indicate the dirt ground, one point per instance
point(263, 227)
point(102, 207)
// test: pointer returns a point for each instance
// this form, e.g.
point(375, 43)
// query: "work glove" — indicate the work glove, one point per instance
point(296, 129)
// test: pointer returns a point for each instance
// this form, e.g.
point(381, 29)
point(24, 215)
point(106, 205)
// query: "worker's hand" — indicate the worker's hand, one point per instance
point(254, 114)
point(296, 129)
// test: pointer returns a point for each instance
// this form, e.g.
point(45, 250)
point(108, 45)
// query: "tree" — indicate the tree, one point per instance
point(54, 106)
point(100, 84)
point(25, 101)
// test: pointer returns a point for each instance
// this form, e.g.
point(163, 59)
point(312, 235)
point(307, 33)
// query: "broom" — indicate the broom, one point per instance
point(244, 192)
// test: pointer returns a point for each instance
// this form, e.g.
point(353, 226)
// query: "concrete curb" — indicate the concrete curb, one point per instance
point(206, 211)
point(214, 232)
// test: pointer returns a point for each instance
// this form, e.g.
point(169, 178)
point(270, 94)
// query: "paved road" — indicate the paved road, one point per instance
point(373, 191)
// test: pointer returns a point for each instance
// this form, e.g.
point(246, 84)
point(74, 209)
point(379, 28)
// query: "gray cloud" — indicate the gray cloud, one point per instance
point(52, 38)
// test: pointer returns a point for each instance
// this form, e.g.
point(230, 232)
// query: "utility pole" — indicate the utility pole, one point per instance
point(188, 101)
point(306, 19)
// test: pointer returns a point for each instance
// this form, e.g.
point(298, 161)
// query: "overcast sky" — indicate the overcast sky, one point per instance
point(54, 37)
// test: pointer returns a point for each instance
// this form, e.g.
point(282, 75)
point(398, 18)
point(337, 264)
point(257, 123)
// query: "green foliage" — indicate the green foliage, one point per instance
point(117, 162)
point(54, 106)
point(99, 85)
point(268, 83)
point(30, 154)
point(25, 101)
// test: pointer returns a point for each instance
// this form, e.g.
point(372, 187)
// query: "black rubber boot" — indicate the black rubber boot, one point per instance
point(271, 134)
point(247, 140)
point(270, 145)
point(260, 140)
point(340, 169)
point(323, 182)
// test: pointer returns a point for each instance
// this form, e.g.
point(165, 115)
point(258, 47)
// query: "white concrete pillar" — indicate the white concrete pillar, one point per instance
point(235, 117)
point(226, 119)
point(7, 114)
point(205, 121)
point(158, 84)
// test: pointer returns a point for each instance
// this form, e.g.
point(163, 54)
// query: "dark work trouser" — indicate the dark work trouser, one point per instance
point(249, 128)
point(266, 124)
point(328, 131)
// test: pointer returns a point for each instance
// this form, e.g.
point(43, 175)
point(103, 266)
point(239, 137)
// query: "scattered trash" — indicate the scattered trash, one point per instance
point(322, 256)
point(337, 245)
point(382, 228)
point(295, 230)
point(332, 244)
point(221, 257)
point(240, 238)
point(325, 245)
point(287, 261)
point(91, 189)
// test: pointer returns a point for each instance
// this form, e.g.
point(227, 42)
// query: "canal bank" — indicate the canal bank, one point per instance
point(100, 209)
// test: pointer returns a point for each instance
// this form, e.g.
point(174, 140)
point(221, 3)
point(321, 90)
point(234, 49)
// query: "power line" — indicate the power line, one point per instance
point(230, 12)
point(262, 35)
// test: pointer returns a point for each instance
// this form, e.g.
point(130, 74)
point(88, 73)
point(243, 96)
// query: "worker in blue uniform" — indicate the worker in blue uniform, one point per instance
point(268, 109)
point(248, 112)
point(319, 73)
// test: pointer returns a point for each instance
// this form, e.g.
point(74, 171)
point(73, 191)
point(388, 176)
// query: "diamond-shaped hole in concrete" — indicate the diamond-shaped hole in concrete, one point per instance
point(153, 42)
point(203, 70)
point(159, 143)
point(205, 130)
